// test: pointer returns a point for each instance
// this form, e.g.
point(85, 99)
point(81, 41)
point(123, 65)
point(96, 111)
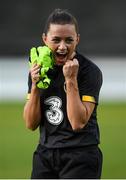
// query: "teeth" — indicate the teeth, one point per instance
point(62, 53)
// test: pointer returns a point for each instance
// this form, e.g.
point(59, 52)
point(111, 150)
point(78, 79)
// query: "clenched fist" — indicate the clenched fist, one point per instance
point(70, 69)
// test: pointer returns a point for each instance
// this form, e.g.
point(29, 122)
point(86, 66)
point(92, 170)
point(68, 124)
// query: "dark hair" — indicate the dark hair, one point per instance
point(59, 16)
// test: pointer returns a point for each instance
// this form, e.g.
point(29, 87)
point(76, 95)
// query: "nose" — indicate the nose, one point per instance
point(62, 45)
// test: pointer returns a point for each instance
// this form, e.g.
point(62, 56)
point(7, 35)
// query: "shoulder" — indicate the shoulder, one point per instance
point(86, 65)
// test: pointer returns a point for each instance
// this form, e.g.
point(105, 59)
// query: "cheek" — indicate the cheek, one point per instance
point(72, 48)
point(51, 45)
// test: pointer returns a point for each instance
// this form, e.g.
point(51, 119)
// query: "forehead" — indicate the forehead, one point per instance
point(62, 30)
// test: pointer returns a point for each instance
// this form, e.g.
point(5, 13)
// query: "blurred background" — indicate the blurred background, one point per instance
point(102, 27)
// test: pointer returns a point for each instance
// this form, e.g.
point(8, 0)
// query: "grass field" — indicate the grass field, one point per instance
point(17, 143)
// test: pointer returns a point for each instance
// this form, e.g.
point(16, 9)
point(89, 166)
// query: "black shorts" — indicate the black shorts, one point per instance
point(67, 163)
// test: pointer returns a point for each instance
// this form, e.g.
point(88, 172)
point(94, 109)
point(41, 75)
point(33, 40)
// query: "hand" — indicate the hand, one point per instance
point(70, 69)
point(35, 76)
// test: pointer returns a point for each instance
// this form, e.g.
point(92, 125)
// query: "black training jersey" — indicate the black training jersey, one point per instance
point(55, 129)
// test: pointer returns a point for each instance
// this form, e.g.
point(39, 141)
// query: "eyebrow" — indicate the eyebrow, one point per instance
point(58, 37)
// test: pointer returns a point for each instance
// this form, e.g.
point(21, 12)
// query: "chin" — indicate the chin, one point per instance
point(61, 62)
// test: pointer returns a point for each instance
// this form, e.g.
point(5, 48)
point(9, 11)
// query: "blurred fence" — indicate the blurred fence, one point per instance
point(14, 71)
point(102, 24)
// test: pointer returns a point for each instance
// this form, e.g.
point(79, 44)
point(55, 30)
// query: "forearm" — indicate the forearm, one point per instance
point(76, 111)
point(32, 112)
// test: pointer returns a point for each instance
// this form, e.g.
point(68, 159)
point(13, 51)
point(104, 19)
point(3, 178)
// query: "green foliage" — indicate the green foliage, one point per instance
point(17, 144)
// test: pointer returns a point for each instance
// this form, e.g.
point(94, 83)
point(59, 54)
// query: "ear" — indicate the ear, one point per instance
point(44, 38)
point(78, 38)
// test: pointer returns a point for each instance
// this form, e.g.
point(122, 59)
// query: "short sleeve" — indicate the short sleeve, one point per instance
point(90, 83)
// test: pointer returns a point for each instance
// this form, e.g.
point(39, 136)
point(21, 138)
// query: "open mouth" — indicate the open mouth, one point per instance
point(61, 57)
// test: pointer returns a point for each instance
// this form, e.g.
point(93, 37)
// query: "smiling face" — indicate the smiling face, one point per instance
point(62, 40)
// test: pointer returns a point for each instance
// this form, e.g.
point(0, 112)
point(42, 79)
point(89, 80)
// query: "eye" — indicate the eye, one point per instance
point(69, 40)
point(56, 40)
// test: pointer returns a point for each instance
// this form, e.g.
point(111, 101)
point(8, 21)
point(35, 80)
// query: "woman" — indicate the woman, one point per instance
point(66, 111)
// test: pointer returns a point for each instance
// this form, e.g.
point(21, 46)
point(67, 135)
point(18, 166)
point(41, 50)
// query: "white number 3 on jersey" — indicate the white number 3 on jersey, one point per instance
point(54, 114)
